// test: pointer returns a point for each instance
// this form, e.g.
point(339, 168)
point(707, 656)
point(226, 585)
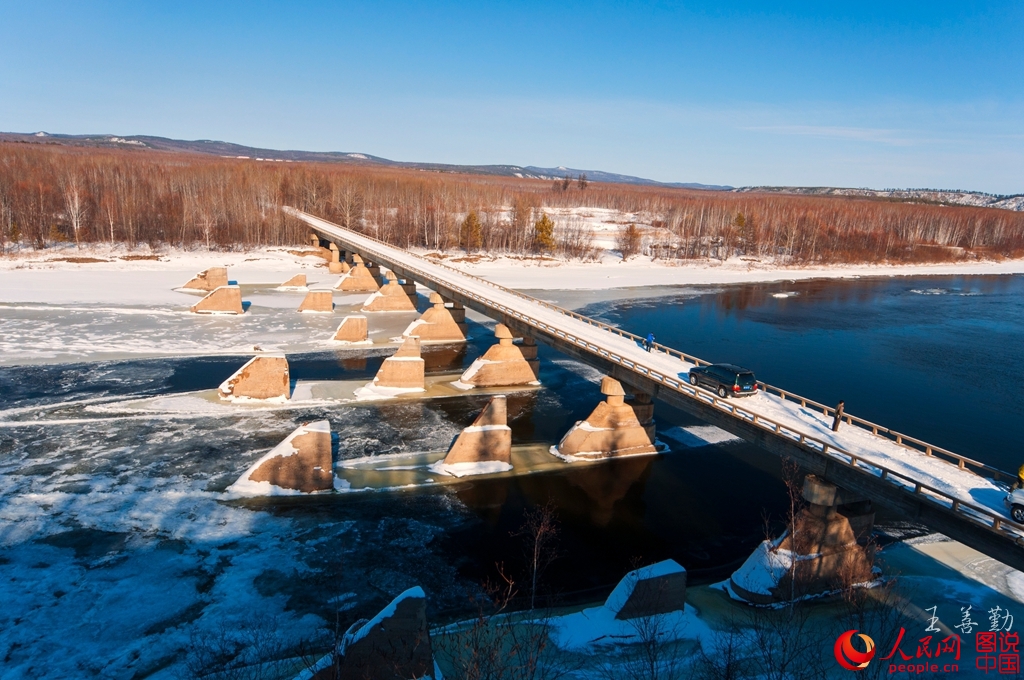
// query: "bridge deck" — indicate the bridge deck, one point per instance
point(962, 489)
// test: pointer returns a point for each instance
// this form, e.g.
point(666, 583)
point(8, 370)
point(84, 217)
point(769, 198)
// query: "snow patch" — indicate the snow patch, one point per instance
point(696, 436)
point(488, 467)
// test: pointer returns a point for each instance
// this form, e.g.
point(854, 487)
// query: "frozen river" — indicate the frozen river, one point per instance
point(117, 545)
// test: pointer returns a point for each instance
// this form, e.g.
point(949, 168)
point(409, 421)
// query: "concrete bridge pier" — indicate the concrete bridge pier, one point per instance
point(359, 278)
point(503, 365)
point(826, 550)
point(614, 429)
point(374, 269)
point(457, 311)
point(336, 265)
point(437, 324)
point(392, 297)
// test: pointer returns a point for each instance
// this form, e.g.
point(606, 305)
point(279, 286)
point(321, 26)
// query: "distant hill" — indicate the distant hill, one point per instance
point(229, 150)
point(941, 196)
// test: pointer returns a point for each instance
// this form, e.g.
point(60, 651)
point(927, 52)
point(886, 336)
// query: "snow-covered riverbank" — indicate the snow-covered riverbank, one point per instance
point(114, 274)
point(612, 272)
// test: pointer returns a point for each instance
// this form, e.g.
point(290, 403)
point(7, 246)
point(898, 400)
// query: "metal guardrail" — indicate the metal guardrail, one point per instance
point(981, 516)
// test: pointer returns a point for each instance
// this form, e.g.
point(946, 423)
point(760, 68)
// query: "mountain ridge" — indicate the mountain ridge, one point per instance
point(240, 151)
point(223, 149)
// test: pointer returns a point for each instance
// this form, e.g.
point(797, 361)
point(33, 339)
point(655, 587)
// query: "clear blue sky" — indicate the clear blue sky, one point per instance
point(879, 94)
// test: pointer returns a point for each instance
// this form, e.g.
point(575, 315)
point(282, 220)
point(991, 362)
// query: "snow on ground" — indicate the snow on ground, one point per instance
point(53, 312)
point(46, 277)
point(612, 272)
point(486, 467)
point(599, 626)
point(696, 436)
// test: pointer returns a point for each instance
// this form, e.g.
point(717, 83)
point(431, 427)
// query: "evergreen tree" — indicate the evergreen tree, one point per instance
point(544, 234)
point(471, 233)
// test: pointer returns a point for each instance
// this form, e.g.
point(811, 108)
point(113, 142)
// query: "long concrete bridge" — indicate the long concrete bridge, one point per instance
point(951, 494)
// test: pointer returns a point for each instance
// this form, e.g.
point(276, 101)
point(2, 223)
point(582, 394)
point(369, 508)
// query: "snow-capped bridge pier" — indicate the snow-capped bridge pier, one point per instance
point(951, 494)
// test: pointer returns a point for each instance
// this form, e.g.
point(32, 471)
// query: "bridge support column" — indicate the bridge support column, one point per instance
point(359, 279)
point(223, 300)
point(336, 265)
point(614, 429)
point(375, 272)
point(457, 311)
point(437, 324)
point(262, 378)
point(352, 330)
point(301, 463)
point(318, 302)
point(209, 280)
point(391, 298)
point(484, 447)
point(826, 543)
point(402, 372)
point(503, 365)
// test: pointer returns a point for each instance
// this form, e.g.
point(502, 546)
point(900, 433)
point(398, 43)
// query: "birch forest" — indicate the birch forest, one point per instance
point(54, 194)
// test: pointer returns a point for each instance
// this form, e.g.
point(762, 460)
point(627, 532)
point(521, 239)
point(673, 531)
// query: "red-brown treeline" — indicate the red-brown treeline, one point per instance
point(61, 193)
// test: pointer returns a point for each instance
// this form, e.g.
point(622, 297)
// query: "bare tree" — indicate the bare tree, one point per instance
point(540, 531)
point(722, 658)
point(72, 190)
point(247, 650)
point(628, 241)
point(500, 645)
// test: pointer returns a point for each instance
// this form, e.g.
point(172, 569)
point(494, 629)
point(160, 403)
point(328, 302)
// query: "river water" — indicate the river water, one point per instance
point(116, 547)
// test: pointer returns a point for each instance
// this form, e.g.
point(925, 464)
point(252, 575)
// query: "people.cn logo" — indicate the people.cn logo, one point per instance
point(848, 657)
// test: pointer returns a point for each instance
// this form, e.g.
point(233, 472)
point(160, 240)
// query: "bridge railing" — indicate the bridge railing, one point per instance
point(978, 515)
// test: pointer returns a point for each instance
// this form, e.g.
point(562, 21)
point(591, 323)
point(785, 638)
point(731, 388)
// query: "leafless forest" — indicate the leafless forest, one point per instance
point(51, 193)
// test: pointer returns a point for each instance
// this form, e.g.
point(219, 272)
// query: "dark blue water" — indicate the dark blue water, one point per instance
point(941, 359)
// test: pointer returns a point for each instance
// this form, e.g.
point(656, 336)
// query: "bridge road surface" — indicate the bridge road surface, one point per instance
point(948, 493)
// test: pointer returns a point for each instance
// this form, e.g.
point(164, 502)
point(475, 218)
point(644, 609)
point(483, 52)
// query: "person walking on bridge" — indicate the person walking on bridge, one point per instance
point(838, 416)
point(649, 342)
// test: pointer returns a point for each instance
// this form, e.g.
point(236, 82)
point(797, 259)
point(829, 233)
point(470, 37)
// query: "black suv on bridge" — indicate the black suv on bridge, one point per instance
point(725, 379)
